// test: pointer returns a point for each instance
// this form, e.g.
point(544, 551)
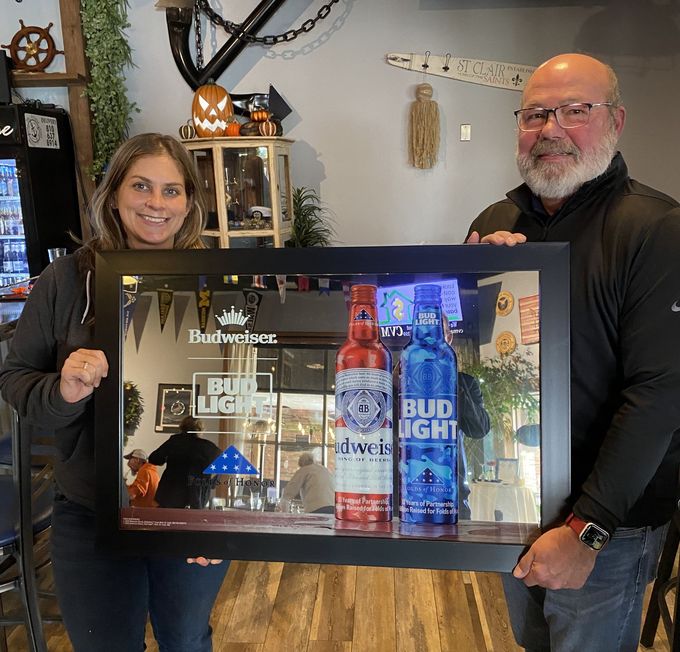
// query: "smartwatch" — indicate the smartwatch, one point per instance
point(591, 534)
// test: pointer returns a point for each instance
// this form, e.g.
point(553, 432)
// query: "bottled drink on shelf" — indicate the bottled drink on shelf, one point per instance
point(363, 428)
point(428, 424)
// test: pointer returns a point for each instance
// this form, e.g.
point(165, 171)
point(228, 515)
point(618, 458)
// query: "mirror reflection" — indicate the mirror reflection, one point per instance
point(372, 401)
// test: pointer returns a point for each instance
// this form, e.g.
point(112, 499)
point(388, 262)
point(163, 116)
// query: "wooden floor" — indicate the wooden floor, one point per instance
point(267, 607)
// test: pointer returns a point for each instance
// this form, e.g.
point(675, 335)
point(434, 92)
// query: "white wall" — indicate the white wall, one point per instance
point(350, 107)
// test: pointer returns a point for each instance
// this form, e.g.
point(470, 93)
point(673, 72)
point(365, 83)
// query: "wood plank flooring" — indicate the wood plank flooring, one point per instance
point(272, 607)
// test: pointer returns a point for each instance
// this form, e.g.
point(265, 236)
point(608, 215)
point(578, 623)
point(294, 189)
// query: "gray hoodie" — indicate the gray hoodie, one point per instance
point(51, 326)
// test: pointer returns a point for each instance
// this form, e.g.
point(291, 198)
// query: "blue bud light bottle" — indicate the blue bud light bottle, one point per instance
point(428, 453)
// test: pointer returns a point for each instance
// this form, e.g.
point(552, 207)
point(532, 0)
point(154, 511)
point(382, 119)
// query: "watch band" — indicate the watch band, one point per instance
point(590, 534)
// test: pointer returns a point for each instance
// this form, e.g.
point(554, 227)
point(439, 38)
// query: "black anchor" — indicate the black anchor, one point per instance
point(179, 21)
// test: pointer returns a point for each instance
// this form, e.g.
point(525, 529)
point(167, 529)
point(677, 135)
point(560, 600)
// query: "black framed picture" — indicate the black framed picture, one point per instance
point(275, 391)
point(173, 404)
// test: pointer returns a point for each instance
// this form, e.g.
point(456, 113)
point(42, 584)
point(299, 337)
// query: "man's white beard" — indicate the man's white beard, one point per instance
point(559, 180)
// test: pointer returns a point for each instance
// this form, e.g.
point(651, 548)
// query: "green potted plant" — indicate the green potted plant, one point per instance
point(508, 382)
point(311, 220)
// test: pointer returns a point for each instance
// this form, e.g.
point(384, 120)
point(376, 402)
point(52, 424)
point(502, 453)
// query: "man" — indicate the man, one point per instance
point(142, 491)
point(588, 574)
point(314, 484)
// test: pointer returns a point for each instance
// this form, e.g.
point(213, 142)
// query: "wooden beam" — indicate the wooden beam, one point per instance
point(79, 105)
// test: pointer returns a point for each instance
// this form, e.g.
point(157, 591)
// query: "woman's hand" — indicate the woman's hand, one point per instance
point(83, 370)
point(203, 561)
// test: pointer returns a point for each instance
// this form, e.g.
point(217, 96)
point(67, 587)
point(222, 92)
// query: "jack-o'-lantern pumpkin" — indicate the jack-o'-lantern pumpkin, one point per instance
point(210, 110)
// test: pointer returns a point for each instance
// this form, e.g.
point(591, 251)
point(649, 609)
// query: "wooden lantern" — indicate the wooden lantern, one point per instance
point(210, 110)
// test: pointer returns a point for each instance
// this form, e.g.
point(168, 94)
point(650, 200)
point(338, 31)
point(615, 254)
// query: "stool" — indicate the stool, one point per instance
point(664, 583)
point(24, 524)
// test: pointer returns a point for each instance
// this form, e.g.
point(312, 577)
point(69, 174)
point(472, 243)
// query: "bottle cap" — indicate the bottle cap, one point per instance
point(429, 292)
point(363, 293)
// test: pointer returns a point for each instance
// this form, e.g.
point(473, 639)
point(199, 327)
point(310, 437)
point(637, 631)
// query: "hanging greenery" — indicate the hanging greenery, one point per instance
point(133, 408)
point(109, 54)
point(508, 382)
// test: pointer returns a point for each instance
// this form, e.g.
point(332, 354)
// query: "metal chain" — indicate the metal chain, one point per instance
point(235, 29)
point(198, 34)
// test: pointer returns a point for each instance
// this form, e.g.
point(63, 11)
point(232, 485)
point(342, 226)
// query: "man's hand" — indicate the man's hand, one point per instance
point(506, 238)
point(83, 370)
point(203, 561)
point(556, 560)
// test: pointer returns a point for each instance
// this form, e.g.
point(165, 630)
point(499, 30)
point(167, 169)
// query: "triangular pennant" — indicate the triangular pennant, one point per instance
point(203, 301)
point(303, 284)
point(181, 303)
point(164, 303)
point(253, 300)
point(346, 293)
point(324, 286)
point(231, 461)
point(128, 311)
point(139, 318)
point(281, 284)
point(258, 281)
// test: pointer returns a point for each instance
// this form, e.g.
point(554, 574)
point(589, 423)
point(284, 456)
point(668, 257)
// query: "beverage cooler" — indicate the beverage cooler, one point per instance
point(38, 193)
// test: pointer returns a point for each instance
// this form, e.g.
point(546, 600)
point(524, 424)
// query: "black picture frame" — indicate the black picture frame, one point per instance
point(170, 395)
point(488, 550)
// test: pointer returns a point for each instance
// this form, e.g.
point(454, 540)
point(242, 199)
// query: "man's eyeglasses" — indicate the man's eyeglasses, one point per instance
point(568, 116)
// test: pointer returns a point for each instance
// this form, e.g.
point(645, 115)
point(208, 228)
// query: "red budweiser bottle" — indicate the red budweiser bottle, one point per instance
point(363, 405)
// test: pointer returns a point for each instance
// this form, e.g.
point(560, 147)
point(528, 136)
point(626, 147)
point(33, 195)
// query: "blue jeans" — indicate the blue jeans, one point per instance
point(105, 598)
point(604, 615)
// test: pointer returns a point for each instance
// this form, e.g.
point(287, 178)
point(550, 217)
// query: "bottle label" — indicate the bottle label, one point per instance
point(363, 448)
point(428, 445)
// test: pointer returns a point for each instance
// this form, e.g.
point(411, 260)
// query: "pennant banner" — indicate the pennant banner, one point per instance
point(303, 284)
point(139, 318)
point(130, 285)
point(128, 311)
point(164, 303)
point(346, 292)
point(281, 284)
point(181, 303)
point(203, 301)
point(258, 281)
point(253, 300)
point(324, 286)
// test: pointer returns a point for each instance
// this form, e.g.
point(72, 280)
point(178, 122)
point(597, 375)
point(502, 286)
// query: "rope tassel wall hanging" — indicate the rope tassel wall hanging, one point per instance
point(423, 136)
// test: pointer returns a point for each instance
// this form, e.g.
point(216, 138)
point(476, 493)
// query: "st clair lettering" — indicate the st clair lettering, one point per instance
point(428, 418)
point(230, 396)
point(218, 337)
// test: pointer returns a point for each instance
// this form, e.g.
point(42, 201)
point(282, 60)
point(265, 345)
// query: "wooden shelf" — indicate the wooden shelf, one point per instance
point(22, 79)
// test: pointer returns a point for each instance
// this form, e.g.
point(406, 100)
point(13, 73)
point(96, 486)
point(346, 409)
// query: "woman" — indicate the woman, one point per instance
point(186, 456)
point(149, 199)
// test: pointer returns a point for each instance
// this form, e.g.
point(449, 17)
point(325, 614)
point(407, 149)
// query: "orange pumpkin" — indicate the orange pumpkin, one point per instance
point(259, 115)
point(233, 128)
point(210, 110)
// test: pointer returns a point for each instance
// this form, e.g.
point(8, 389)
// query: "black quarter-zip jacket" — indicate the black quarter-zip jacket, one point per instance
point(625, 340)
